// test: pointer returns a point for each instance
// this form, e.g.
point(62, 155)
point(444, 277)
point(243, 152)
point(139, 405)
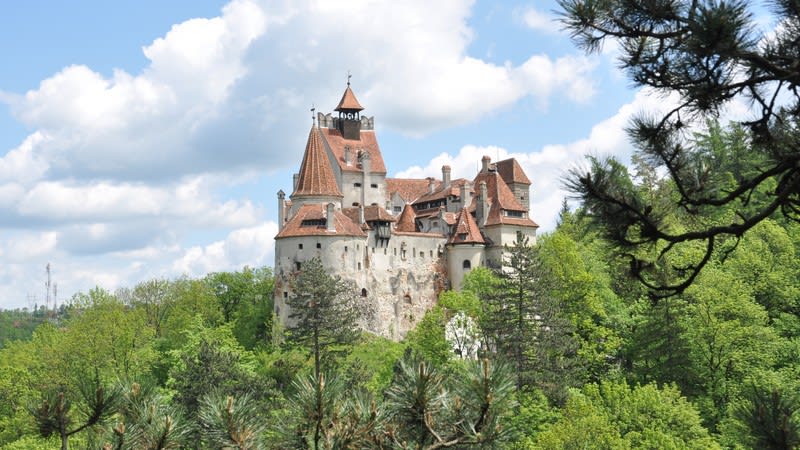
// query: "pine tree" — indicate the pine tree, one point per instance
point(323, 313)
point(709, 53)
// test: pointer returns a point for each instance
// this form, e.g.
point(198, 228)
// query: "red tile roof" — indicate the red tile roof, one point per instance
point(377, 213)
point(500, 198)
point(316, 175)
point(343, 225)
point(368, 142)
point(511, 171)
point(406, 222)
point(466, 230)
point(409, 189)
point(348, 101)
point(441, 192)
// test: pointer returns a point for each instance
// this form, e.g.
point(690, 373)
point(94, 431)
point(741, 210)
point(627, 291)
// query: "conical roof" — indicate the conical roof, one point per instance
point(348, 101)
point(406, 222)
point(466, 230)
point(316, 175)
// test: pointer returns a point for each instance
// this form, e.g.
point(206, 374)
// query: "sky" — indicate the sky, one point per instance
point(148, 139)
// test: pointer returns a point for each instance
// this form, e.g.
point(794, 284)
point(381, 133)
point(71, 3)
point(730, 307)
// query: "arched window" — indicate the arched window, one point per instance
point(363, 292)
point(466, 264)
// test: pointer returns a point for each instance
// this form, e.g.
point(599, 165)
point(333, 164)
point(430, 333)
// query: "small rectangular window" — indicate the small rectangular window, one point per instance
point(300, 246)
point(319, 245)
point(373, 185)
point(285, 294)
point(356, 184)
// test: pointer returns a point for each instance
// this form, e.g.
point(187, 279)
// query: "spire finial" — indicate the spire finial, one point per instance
point(313, 116)
point(348, 78)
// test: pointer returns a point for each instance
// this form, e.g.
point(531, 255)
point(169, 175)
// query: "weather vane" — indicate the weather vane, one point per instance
point(348, 77)
point(313, 117)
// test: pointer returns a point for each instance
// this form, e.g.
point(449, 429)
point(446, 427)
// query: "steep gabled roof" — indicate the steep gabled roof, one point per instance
point(406, 222)
point(511, 172)
point(316, 175)
point(500, 198)
point(348, 101)
point(309, 221)
point(466, 230)
point(368, 142)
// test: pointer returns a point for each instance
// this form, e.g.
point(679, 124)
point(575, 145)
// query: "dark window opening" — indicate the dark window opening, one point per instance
point(359, 266)
point(319, 245)
point(363, 292)
point(285, 294)
point(313, 223)
point(300, 246)
point(297, 265)
point(356, 184)
point(373, 185)
point(467, 264)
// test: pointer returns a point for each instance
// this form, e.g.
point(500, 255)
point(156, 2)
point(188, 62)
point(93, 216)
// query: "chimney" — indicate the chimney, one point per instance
point(445, 176)
point(281, 209)
point(329, 219)
point(466, 195)
point(361, 214)
point(348, 157)
point(485, 163)
point(295, 178)
point(482, 210)
point(431, 185)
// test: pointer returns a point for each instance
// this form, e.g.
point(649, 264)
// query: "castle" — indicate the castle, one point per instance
point(400, 241)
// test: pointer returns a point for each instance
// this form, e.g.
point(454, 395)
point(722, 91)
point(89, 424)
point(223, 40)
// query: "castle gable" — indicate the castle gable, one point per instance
point(466, 231)
point(339, 147)
point(511, 172)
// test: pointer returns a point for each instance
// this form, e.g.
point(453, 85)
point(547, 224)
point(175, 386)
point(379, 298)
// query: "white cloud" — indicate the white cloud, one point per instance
point(540, 21)
point(254, 246)
point(125, 175)
point(547, 166)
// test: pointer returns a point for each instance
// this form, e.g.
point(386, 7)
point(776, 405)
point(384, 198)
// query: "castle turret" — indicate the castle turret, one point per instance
point(281, 209)
point(465, 248)
point(316, 182)
point(349, 115)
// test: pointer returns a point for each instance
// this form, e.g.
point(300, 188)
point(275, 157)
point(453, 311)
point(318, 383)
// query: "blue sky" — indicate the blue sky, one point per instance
point(148, 139)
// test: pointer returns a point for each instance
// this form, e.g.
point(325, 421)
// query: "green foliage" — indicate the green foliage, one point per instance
point(229, 422)
point(18, 324)
point(213, 361)
point(146, 420)
point(614, 415)
point(371, 362)
point(767, 416)
point(526, 325)
point(426, 409)
point(722, 183)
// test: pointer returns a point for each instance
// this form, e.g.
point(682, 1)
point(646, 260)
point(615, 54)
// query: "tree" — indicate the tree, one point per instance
point(708, 54)
point(231, 423)
point(615, 415)
point(55, 414)
point(524, 324)
point(323, 313)
point(469, 409)
point(147, 421)
point(768, 416)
